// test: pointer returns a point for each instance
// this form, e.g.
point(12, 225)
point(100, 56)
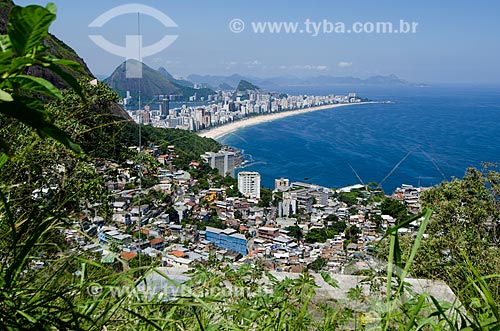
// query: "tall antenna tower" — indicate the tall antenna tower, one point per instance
point(141, 119)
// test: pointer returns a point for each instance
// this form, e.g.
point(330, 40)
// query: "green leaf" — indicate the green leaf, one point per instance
point(51, 7)
point(5, 60)
point(68, 78)
point(3, 159)
point(5, 43)
point(36, 84)
point(28, 26)
point(4, 96)
point(484, 290)
point(67, 63)
point(30, 318)
point(416, 244)
point(31, 112)
point(19, 63)
point(329, 280)
point(394, 229)
point(61, 136)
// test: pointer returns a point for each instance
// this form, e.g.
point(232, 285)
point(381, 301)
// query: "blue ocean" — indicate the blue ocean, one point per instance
point(425, 136)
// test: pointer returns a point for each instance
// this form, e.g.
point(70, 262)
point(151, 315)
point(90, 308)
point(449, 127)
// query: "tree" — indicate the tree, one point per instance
point(233, 191)
point(338, 226)
point(215, 222)
point(353, 210)
point(172, 214)
point(203, 183)
point(332, 218)
point(295, 232)
point(316, 236)
point(266, 196)
point(377, 219)
point(463, 231)
point(352, 233)
point(395, 209)
point(317, 264)
point(350, 198)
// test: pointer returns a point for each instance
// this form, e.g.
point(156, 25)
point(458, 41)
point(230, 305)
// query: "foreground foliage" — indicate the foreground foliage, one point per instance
point(464, 234)
point(20, 94)
point(75, 292)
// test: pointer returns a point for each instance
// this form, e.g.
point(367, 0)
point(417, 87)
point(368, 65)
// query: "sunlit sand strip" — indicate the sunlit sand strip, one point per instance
point(222, 130)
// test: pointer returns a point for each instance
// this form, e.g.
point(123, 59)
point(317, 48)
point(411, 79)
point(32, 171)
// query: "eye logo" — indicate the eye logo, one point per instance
point(133, 49)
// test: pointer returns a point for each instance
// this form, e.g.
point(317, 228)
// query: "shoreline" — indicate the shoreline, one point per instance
point(222, 130)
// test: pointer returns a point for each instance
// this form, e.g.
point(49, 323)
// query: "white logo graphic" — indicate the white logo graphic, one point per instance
point(236, 25)
point(133, 49)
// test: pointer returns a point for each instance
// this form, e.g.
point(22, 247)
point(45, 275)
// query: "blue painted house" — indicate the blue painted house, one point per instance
point(228, 239)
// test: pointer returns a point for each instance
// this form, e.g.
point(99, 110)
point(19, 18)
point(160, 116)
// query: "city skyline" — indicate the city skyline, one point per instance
point(451, 43)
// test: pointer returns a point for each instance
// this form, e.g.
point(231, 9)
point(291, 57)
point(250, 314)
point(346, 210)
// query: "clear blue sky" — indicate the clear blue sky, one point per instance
point(455, 41)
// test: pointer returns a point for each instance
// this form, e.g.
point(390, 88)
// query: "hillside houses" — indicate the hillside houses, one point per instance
point(177, 223)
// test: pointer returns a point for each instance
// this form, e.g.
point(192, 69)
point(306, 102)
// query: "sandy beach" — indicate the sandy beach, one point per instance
point(225, 129)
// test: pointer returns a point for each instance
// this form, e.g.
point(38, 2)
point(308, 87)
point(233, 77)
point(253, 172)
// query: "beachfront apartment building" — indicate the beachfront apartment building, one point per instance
point(249, 184)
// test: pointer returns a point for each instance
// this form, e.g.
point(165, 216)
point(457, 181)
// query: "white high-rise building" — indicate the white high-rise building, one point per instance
point(282, 184)
point(249, 184)
point(289, 204)
point(223, 161)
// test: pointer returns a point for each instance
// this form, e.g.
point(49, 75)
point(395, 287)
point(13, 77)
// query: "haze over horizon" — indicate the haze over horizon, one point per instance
point(452, 43)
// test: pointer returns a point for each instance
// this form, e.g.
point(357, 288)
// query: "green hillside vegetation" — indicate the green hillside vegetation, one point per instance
point(152, 82)
point(188, 145)
point(225, 87)
point(245, 85)
point(57, 139)
point(243, 89)
point(181, 82)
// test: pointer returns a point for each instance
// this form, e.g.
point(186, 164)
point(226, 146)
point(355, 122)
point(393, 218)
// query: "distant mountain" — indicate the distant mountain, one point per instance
point(225, 87)
point(216, 81)
point(161, 82)
point(182, 82)
point(101, 77)
point(245, 85)
point(386, 80)
point(152, 84)
point(244, 89)
point(332, 81)
point(287, 81)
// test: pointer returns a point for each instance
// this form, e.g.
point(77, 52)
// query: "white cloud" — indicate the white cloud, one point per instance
point(344, 64)
point(254, 62)
point(230, 65)
point(311, 67)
